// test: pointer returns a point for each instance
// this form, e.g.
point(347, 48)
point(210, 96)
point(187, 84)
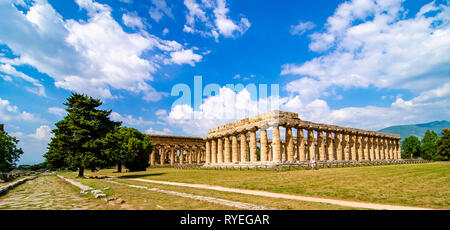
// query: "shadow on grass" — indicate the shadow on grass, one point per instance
point(140, 175)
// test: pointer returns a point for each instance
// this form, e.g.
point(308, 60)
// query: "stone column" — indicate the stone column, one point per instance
point(214, 151)
point(264, 146)
point(234, 149)
point(244, 146)
point(370, 146)
point(283, 151)
point(365, 145)
point(208, 151)
point(253, 146)
point(382, 149)
point(300, 145)
point(311, 149)
point(321, 146)
point(338, 145)
point(152, 156)
point(346, 146)
point(392, 149)
point(199, 155)
point(376, 147)
point(227, 156)
point(351, 147)
point(172, 155)
point(189, 156)
point(399, 152)
point(359, 147)
point(329, 146)
point(276, 144)
point(161, 159)
point(289, 144)
point(220, 156)
point(181, 156)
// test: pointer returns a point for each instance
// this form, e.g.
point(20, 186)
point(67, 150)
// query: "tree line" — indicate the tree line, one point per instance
point(431, 147)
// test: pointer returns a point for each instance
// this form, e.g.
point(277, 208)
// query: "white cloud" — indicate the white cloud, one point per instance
point(211, 17)
point(158, 9)
point(302, 27)
point(57, 111)
point(9, 113)
point(132, 20)
point(185, 57)
point(43, 133)
point(164, 132)
point(369, 43)
point(102, 55)
point(11, 71)
point(165, 31)
point(130, 120)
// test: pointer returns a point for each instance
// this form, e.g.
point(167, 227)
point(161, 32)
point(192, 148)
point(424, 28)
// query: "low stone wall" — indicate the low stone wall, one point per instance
point(12, 185)
point(84, 189)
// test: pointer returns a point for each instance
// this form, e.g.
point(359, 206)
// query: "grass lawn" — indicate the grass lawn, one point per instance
point(423, 185)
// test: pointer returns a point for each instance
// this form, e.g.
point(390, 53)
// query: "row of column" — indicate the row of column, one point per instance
point(327, 146)
point(176, 154)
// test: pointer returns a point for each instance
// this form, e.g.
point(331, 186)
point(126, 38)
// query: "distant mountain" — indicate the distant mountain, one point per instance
point(417, 129)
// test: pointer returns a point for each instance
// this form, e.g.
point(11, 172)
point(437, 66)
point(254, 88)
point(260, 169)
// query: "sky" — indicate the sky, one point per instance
point(183, 67)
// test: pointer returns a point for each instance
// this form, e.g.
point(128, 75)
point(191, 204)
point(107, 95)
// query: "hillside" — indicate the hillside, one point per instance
point(417, 129)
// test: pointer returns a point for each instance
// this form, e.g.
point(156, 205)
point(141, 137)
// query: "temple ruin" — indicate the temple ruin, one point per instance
point(247, 142)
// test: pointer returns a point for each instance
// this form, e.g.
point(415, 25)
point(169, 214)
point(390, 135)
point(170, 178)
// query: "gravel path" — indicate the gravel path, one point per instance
point(245, 206)
point(353, 204)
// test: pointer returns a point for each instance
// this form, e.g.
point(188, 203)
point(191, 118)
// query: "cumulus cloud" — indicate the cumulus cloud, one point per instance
point(152, 131)
point(101, 54)
point(132, 20)
point(9, 113)
point(185, 57)
point(10, 71)
point(42, 133)
point(210, 19)
point(370, 43)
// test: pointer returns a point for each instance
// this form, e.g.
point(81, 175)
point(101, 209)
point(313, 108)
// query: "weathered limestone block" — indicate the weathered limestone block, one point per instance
point(289, 144)
point(253, 146)
point(227, 150)
point(234, 149)
point(214, 151)
point(264, 146)
point(300, 145)
point(220, 151)
point(276, 144)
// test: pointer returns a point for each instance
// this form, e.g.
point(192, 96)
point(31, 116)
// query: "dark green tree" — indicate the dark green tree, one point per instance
point(128, 146)
point(411, 147)
point(428, 145)
point(443, 146)
point(9, 152)
point(77, 141)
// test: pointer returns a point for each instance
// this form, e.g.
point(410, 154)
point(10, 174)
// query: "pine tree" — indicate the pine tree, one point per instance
point(77, 141)
point(428, 145)
point(443, 146)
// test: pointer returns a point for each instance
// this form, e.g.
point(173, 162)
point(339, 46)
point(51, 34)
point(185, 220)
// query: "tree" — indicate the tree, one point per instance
point(77, 141)
point(9, 152)
point(429, 145)
point(443, 146)
point(411, 147)
point(128, 146)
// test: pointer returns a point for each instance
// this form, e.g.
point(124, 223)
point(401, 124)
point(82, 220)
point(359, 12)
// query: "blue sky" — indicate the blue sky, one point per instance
point(364, 64)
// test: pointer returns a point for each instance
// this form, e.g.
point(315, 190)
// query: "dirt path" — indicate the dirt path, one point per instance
point(353, 204)
point(235, 204)
point(48, 193)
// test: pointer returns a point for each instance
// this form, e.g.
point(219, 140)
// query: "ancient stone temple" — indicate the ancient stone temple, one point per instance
point(171, 150)
point(238, 143)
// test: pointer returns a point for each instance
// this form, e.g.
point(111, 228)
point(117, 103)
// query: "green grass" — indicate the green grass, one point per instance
point(423, 185)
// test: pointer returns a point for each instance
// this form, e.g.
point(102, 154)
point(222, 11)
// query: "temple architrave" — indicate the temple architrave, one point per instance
point(257, 141)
